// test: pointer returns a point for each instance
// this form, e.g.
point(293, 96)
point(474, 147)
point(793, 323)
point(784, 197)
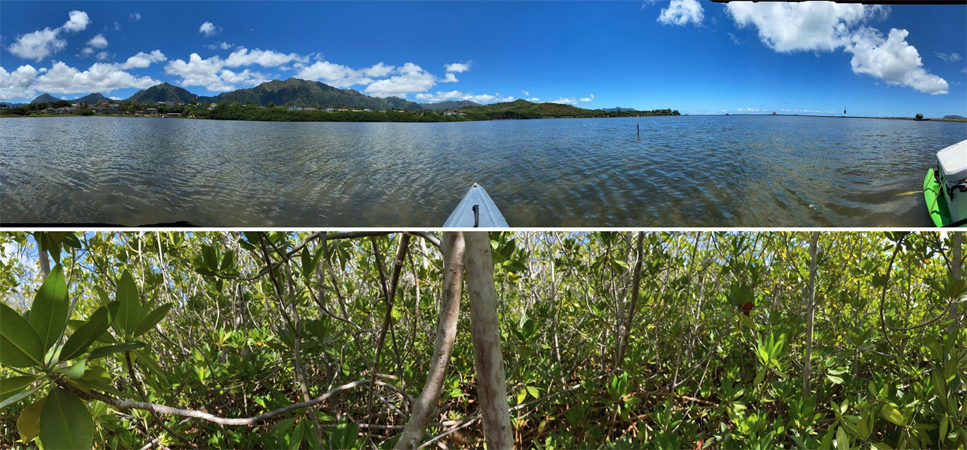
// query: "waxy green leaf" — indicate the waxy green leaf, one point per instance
point(65, 422)
point(48, 313)
point(19, 344)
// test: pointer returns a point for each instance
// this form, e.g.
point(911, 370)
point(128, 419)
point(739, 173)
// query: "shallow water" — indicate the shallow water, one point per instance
point(708, 171)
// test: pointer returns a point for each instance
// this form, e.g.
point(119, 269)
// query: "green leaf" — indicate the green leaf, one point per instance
point(521, 396)
point(90, 331)
point(842, 441)
point(891, 413)
point(130, 309)
point(48, 314)
point(65, 422)
point(28, 424)
point(533, 391)
point(19, 344)
point(18, 397)
point(75, 371)
point(881, 446)
point(152, 319)
point(835, 379)
point(104, 351)
point(13, 385)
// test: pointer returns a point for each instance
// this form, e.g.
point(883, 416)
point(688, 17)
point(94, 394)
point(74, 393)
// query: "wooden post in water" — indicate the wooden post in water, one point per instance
point(638, 124)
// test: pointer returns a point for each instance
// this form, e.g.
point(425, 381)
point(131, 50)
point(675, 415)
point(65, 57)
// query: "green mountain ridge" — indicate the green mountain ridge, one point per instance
point(449, 104)
point(45, 98)
point(164, 92)
point(304, 93)
point(92, 98)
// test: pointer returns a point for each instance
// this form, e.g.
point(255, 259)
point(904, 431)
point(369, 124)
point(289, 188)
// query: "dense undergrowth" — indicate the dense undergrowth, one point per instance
point(708, 351)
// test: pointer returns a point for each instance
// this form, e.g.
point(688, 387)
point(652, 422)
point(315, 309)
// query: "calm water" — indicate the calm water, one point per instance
point(683, 171)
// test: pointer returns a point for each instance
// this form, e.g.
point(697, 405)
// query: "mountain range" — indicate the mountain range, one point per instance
point(89, 98)
point(291, 92)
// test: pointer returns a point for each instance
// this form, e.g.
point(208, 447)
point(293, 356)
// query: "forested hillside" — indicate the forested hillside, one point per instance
point(528, 340)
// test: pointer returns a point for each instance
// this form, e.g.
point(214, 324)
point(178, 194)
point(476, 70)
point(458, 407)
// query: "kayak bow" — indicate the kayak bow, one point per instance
point(476, 210)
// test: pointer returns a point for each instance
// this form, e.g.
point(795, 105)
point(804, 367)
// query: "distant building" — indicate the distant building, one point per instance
point(294, 108)
point(151, 111)
point(65, 110)
point(173, 115)
point(328, 110)
point(367, 110)
point(261, 107)
point(308, 109)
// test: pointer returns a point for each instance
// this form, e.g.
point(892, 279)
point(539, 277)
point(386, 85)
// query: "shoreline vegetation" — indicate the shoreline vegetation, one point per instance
point(516, 110)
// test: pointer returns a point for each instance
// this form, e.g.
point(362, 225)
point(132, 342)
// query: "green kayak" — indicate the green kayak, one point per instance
point(944, 187)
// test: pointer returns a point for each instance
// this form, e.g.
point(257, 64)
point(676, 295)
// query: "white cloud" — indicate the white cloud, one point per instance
point(827, 26)
point(566, 101)
point(953, 57)
point(136, 16)
point(104, 56)
point(587, 99)
point(409, 78)
point(96, 42)
point(458, 67)
point(220, 46)
point(209, 29)
point(681, 12)
point(142, 60)
point(449, 78)
point(43, 43)
point(340, 76)
point(264, 58)
point(200, 72)
point(117, 26)
point(78, 21)
point(212, 74)
point(809, 26)
point(26, 82)
point(526, 94)
point(735, 39)
point(457, 95)
point(893, 60)
point(533, 99)
point(38, 45)
point(117, 99)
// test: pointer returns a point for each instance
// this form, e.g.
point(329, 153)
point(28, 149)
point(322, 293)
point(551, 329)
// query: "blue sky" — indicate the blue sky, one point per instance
point(691, 55)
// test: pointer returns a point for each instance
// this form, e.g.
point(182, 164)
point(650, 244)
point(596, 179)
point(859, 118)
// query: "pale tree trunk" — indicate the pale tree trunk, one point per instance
point(635, 287)
point(956, 269)
point(426, 405)
point(487, 359)
point(810, 312)
point(44, 262)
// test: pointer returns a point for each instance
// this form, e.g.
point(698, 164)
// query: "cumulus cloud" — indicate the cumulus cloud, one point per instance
point(892, 60)
point(220, 46)
point(681, 12)
point(212, 73)
point(587, 99)
point(457, 95)
point(264, 58)
point(409, 78)
point(134, 17)
point(60, 79)
point(458, 67)
point(209, 29)
point(78, 21)
point(566, 101)
point(809, 26)
point(533, 99)
point(142, 60)
point(449, 78)
point(526, 94)
point(340, 76)
point(43, 43)
point(826, 26)
point(96, 42)
point(952, 57)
